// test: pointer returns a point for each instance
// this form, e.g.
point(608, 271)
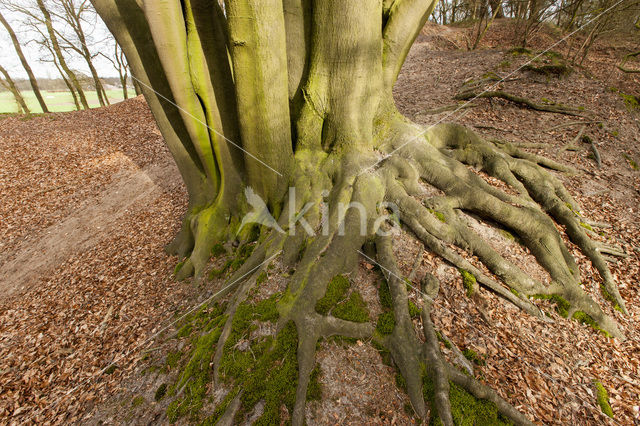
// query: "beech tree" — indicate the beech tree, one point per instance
point(289, 102)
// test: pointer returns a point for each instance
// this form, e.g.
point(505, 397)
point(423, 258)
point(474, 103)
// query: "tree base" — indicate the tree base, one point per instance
point(433, 181)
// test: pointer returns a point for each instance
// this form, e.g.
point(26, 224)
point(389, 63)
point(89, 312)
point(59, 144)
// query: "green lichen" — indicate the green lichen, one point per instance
point(584, 318)
point(353, 309)
point(336, 291)
point(508, 235)
point(161, 392)
point(466, 409)
point(473, 356)
point(468, 280)
point(562, 305)
point(603, 399)
point(386, 323)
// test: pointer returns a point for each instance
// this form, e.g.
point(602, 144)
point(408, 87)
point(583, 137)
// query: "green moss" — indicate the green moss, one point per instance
point(314, 389)
point(473, 356)
point(217, 250)
point(439, 215)
point(614, 133)
point(261, 278)
point(562, 305)
point(179, 266)
point(414, 311)
point(603, 399)
point(504, 64)
point(386, 323)
point(632, 102)
point(384, 294)
point(519, 51)
point(269, 372)
point(515, 292)
point(401, 382)
point(584, 318)
point(336, 290)
point(161, 392)
point(466, 409)
point(193, 381)
point(632, 163)
point(508, 235)
point(586, 226)
point(354, 309)
point(173, 358)
point(137, 401)
point(444, 340)
point(468, 280)
point(112, 368)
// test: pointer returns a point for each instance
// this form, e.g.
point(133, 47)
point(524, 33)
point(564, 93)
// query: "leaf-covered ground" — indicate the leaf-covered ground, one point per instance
point(88, 200)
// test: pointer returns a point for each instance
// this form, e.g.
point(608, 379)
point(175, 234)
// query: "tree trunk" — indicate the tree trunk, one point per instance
point(22, 105)
point(53, 39)
point(280, 113)
point(25, 64)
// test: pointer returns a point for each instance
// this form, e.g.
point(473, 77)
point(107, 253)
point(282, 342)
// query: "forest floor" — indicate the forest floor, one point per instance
point(89, 199)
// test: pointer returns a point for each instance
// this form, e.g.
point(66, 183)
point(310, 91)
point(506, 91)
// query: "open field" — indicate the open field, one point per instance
point(56, 101)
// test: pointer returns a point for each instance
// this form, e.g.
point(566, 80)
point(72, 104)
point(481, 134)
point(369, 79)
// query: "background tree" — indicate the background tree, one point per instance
point(9, 84)
point(74, 13)
point(25, 64)
point(288, 105)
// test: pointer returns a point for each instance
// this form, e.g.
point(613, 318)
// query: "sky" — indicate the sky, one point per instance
point(9, 59)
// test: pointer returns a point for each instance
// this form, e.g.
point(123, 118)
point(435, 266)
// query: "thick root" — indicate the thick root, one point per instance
point(435, 191)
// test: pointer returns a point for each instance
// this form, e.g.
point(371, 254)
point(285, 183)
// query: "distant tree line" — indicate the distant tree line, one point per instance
point(63, 30)
point(567, 15)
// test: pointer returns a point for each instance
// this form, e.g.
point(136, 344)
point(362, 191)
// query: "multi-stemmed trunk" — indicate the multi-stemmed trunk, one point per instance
point(285, 108)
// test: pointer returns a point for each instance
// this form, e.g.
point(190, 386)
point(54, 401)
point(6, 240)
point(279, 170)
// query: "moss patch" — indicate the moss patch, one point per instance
point(160, 392)
point(473, 356)
point(414, 311)
point(468, 280)
point(466, 409)
point(268, 372)
point(632, 163)
point(437, 214)
point(386, 323)
point(336, 290)
point(562, 305)
point(137, 401)
point(603, 399)
point(584, 318)
point(314, 389)
point(353, 309)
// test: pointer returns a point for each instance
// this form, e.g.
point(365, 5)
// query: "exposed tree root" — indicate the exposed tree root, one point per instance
point(327, 244)
point(559, 109)
point(626, 58)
